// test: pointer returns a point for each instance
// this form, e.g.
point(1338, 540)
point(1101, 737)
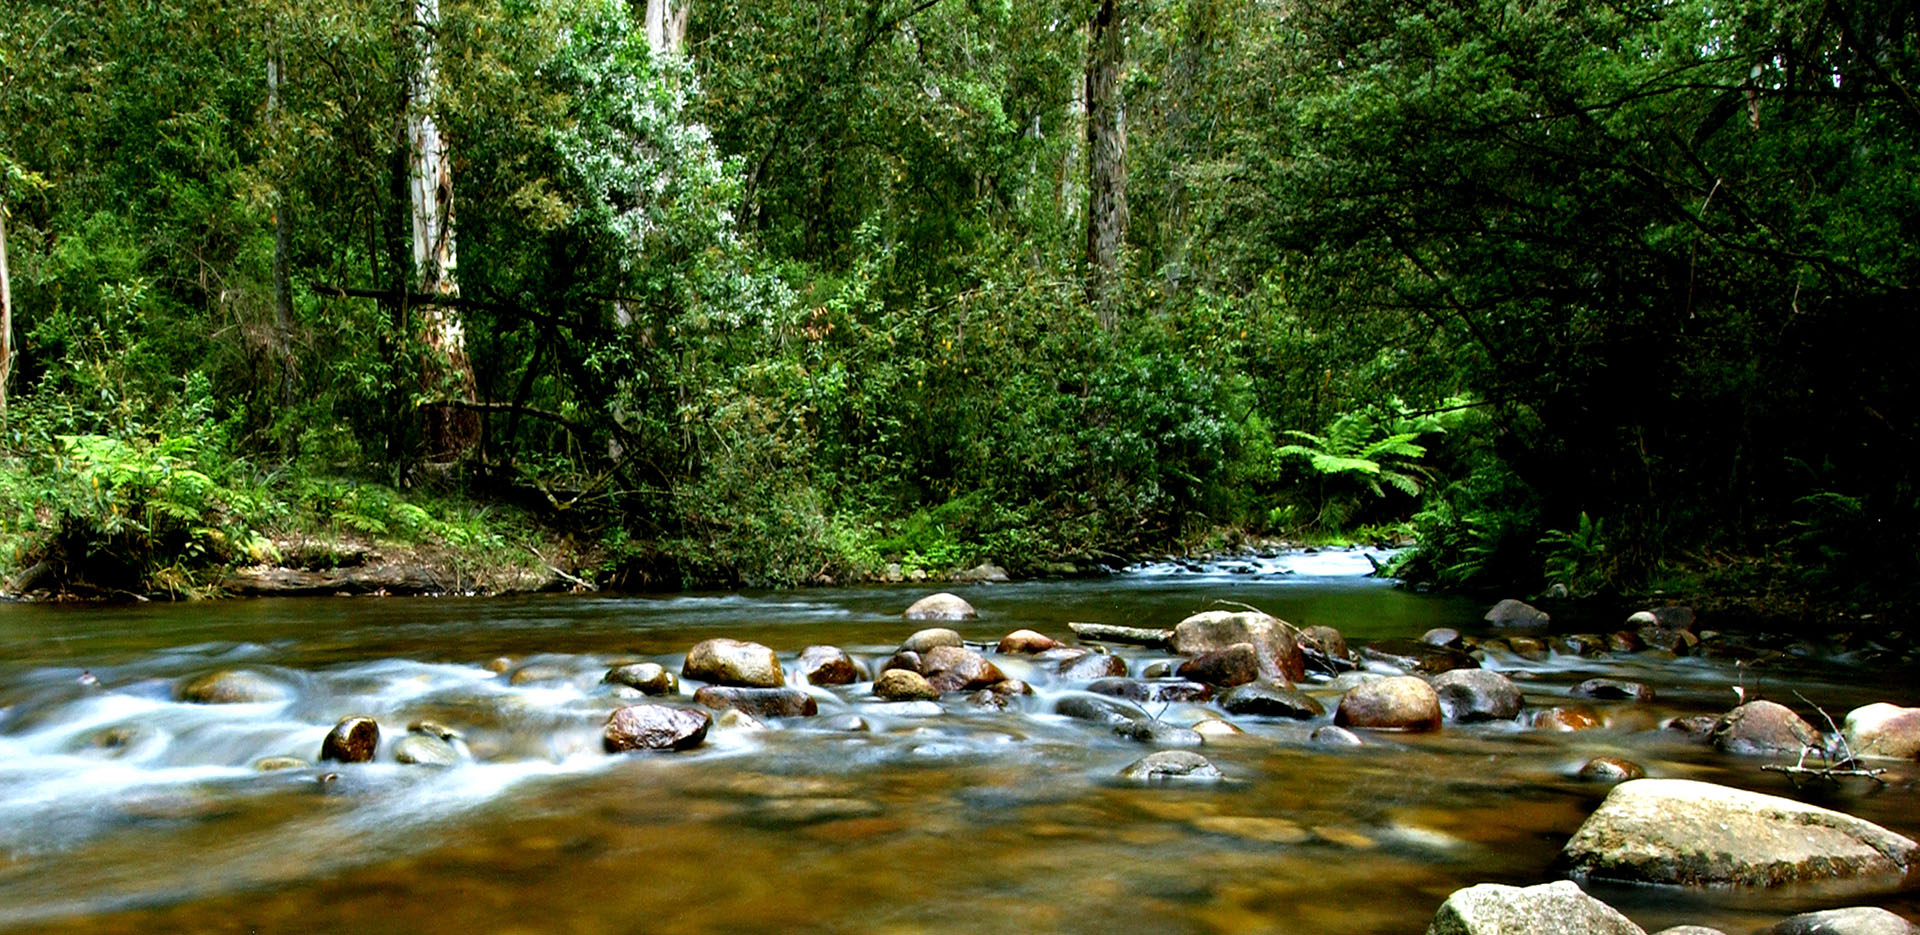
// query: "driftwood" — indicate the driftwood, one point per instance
point(368, 579)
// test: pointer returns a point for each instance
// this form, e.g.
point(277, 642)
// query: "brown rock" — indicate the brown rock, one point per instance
point(1270, 699)
point(904, 685)
point(1567, 718)
point(1611, 769)
point(733, 662)
point(956, 668)
point(924, 641)
point(1762, 727)
point(1476, 695)
point(1235, 665)
point(1403, 703)
point(759, 702)
point(1884, 730)
point(1215, 630)
point(655, 727)
point(1613, 690)
point(1083, 665)
point(1027, 642)
point(1150, 692)
point(649, 678)
point(353, 740)
point(904, 659)
point(830, 665)
point(231, 686)
point(1325, 649)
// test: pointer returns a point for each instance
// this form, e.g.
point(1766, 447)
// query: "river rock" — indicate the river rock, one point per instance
point(1689, 930)
point(925, 641)
point(1560, 908)
point(759, 702)
point(1613, 690)
point(956, 668)
point(1580, 644)
point(1235, 665)
point(1567, 718)
point(1476, 695)
point(1689, 833)
point(274, 764)
point(1159, 733)
point(1855, 920)
point(1444, 637)
point(1611, 769)
point(942, 606)
point(1270, 699)
point(1330, 735)
point(1622, 641)
point(1415, 657)
point(905, 659)
point(1678, 642)
point(829, 665)
point(1883, 730)
point(1215, 630)
point(1403, 703)
point(535, 673)
point(1528, 648)
point(1099, 709)
point(1027, 643)
point(231, 686)
point(1082, 665)
point(1214, 727)
point(425, 750)
point(733, 662)
point(1170, 764)
point(983, 573)
point(1144, 692)
point(655, 727)
point(904, 685)
point(1762, 727)
point(1132, 636)
point(353, 740)
point(1519, 614)
point(649, 678)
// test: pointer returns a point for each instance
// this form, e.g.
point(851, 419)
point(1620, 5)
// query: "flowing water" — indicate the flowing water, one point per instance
point(123, 809)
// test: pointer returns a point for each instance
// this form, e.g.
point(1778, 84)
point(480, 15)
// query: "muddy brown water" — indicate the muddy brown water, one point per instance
point(123, 810)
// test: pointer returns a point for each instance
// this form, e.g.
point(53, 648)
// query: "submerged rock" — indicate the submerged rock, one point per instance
point(759, 702)
point(1150, 692)
point(733, 662)
point(1403, 703)
point(1688, 833)
point(1613, 690)
point(1159, 733)
point(1170, 764)
point(1270, 699)
point(425, 750)
point(1099, 709)
point(830, 665)
point(1763, 727)
point(1883, 730)
point(650, 678)
point(274, 764)
point(1214, 630)
point(942, 606)
point(1559, 907)
point(1329, 735)
point(231, 686)
point(1854, 920)
point(1611, 769)
point(353, 740)
point(1476, 695)
point(1567, 718)
point(655, 727)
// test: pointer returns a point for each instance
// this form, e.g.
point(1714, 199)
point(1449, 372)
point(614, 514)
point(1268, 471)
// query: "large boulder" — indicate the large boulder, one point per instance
point(655, 727)
point(1688, 833)
point(1560, 908)
point(353, 740)
point(1854, 920)
point(733, 662)
point(942, 606)
point(1402, 703)
point(1884, 730)
point(1476, 695)
point(1235, 665)
point(1215, 630)
point(1763, 727)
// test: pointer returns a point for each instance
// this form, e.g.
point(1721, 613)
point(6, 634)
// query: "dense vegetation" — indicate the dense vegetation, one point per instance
point(1615, 295)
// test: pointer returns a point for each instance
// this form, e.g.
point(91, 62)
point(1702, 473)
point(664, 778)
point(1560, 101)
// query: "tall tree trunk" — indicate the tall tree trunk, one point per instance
point(447, 372)
point(282, 240)
point(1106, 162)
point(6, 314)
point(666, 25)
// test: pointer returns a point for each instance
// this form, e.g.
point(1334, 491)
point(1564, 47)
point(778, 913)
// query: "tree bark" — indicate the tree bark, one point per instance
point(447, 370)
point(6, 314)
point(1106, 162)
point(282, 240)
point(666, 25)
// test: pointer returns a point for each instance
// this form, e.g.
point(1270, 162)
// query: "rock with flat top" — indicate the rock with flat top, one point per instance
point(1687, 833)
point(1215, 630)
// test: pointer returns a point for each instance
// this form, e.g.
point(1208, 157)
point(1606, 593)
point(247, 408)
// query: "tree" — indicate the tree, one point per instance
point(1106, 160)
point(447, 372)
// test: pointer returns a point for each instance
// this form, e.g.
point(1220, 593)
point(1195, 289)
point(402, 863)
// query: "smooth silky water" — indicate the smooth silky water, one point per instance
point(123, 810)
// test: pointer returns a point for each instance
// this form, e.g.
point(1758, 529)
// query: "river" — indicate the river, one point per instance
point(125, 810)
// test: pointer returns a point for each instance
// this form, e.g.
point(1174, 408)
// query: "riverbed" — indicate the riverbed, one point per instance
point(125, 809)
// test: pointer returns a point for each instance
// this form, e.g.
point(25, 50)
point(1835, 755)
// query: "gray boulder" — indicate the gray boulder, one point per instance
point(1687, 833)
point(1170, 764)
point(1513, 613)
point(1854, 920)
point(1559, 908)
point(1402, 703)
point(925, 641)
point(1270, 699)
point(1476, 695)
point(942, 606)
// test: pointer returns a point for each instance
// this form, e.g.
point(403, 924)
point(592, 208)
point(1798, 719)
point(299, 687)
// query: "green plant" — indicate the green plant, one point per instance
point(1362, 451)
point(1578, 558)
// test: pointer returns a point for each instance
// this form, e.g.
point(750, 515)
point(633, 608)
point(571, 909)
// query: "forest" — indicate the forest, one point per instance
point(1615, 296)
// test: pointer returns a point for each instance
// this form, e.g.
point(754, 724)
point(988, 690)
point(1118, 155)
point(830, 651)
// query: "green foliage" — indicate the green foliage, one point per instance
point(1578, 558)
point(1360, 450)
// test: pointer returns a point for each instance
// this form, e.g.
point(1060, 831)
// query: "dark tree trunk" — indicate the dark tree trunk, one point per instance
point(1106, 162)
